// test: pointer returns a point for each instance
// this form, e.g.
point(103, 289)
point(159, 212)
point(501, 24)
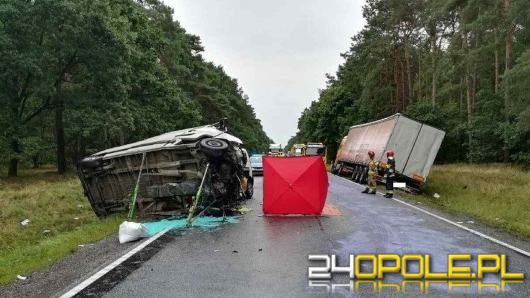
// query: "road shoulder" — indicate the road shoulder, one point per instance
point(52, 280)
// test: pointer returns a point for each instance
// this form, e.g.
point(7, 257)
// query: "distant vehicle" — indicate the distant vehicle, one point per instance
point(415, 145)
point(256, 164)
point(276, 150)
point(314, 149)
point(172, 166)
point(298, 150)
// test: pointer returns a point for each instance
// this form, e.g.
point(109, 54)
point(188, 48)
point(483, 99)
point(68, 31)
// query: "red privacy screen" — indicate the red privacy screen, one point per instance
point(294, 185)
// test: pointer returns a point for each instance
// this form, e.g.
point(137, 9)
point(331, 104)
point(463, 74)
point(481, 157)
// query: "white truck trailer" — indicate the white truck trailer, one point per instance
point(415, 145)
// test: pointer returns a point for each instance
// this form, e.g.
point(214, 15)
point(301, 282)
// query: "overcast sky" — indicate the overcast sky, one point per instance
point(279, 51)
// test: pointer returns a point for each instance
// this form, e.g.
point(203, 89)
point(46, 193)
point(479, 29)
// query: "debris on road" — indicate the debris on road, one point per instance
point(205, 222)
point(20, 277)
point(131, 231)
point(470, 221)
point(244, 209)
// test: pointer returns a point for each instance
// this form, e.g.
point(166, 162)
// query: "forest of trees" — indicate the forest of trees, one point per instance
point(78, 76)
point(460, 65)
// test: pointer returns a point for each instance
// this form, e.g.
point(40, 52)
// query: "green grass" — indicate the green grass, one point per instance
point(51, 202)
point(497, 195)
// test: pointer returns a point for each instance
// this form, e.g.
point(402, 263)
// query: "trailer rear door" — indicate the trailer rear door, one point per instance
point(424, 152)
point(402, 140)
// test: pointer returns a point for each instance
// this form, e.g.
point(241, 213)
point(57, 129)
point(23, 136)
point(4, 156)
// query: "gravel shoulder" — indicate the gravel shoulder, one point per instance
point(54, 280)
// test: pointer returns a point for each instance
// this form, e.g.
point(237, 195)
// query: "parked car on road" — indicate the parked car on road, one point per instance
point(256, 162)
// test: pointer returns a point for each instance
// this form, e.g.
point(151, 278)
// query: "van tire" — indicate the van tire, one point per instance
point(213, 147)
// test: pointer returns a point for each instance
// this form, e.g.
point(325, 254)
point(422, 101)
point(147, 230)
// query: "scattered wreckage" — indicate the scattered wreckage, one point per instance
point(200, 170)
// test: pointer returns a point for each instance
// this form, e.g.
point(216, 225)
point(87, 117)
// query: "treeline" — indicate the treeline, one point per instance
point(460, 65)
point(77, 76)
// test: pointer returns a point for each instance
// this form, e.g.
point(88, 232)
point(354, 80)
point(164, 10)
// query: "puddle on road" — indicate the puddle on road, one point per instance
point(204, 222)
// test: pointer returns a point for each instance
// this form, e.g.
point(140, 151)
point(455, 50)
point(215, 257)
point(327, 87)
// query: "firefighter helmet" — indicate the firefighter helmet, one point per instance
point(390, 153)
point(371, 154)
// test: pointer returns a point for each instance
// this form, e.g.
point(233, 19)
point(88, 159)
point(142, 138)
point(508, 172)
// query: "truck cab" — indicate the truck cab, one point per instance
point(276, 150)
point(316, 149)
point(298, 150)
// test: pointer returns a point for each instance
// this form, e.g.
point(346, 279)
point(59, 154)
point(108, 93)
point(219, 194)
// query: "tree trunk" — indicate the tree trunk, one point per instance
point(403, 93)
point(433, 62)
point(396, 83)
point(419, 95)
point(507, 67)
point(13, 162)
point(13, 168)
point(467, 82)
point(496, 64)
point(461, 102)
point(35, 160)
point(59, 130)
point(410, 91)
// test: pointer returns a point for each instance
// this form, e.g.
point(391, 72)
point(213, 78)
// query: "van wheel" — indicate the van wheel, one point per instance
point(213, 147)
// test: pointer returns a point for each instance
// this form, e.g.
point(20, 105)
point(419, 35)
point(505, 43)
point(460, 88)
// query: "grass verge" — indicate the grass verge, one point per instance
point(497, 195)
point(60, 219)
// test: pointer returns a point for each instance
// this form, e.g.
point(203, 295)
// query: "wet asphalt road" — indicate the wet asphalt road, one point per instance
point(267, 256)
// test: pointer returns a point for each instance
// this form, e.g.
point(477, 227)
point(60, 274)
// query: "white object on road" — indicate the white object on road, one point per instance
point(131, 231)
point(25, 222)
point(436, 195)
point(22, 277)
point(400, 185)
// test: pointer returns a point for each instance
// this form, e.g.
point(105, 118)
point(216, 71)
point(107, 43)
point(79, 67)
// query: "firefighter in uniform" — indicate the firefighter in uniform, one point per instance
point(372, 173)
point(390, 173)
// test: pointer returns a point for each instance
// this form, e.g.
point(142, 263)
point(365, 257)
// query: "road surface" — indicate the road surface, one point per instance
point(267, 256)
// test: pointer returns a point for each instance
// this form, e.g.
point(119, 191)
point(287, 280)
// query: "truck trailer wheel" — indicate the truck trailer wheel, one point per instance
point(339, 170)
point(364, 176)
point(358, 173)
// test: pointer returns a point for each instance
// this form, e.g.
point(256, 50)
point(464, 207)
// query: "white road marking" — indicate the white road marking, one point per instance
point(87, 282)
point(516, 249)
